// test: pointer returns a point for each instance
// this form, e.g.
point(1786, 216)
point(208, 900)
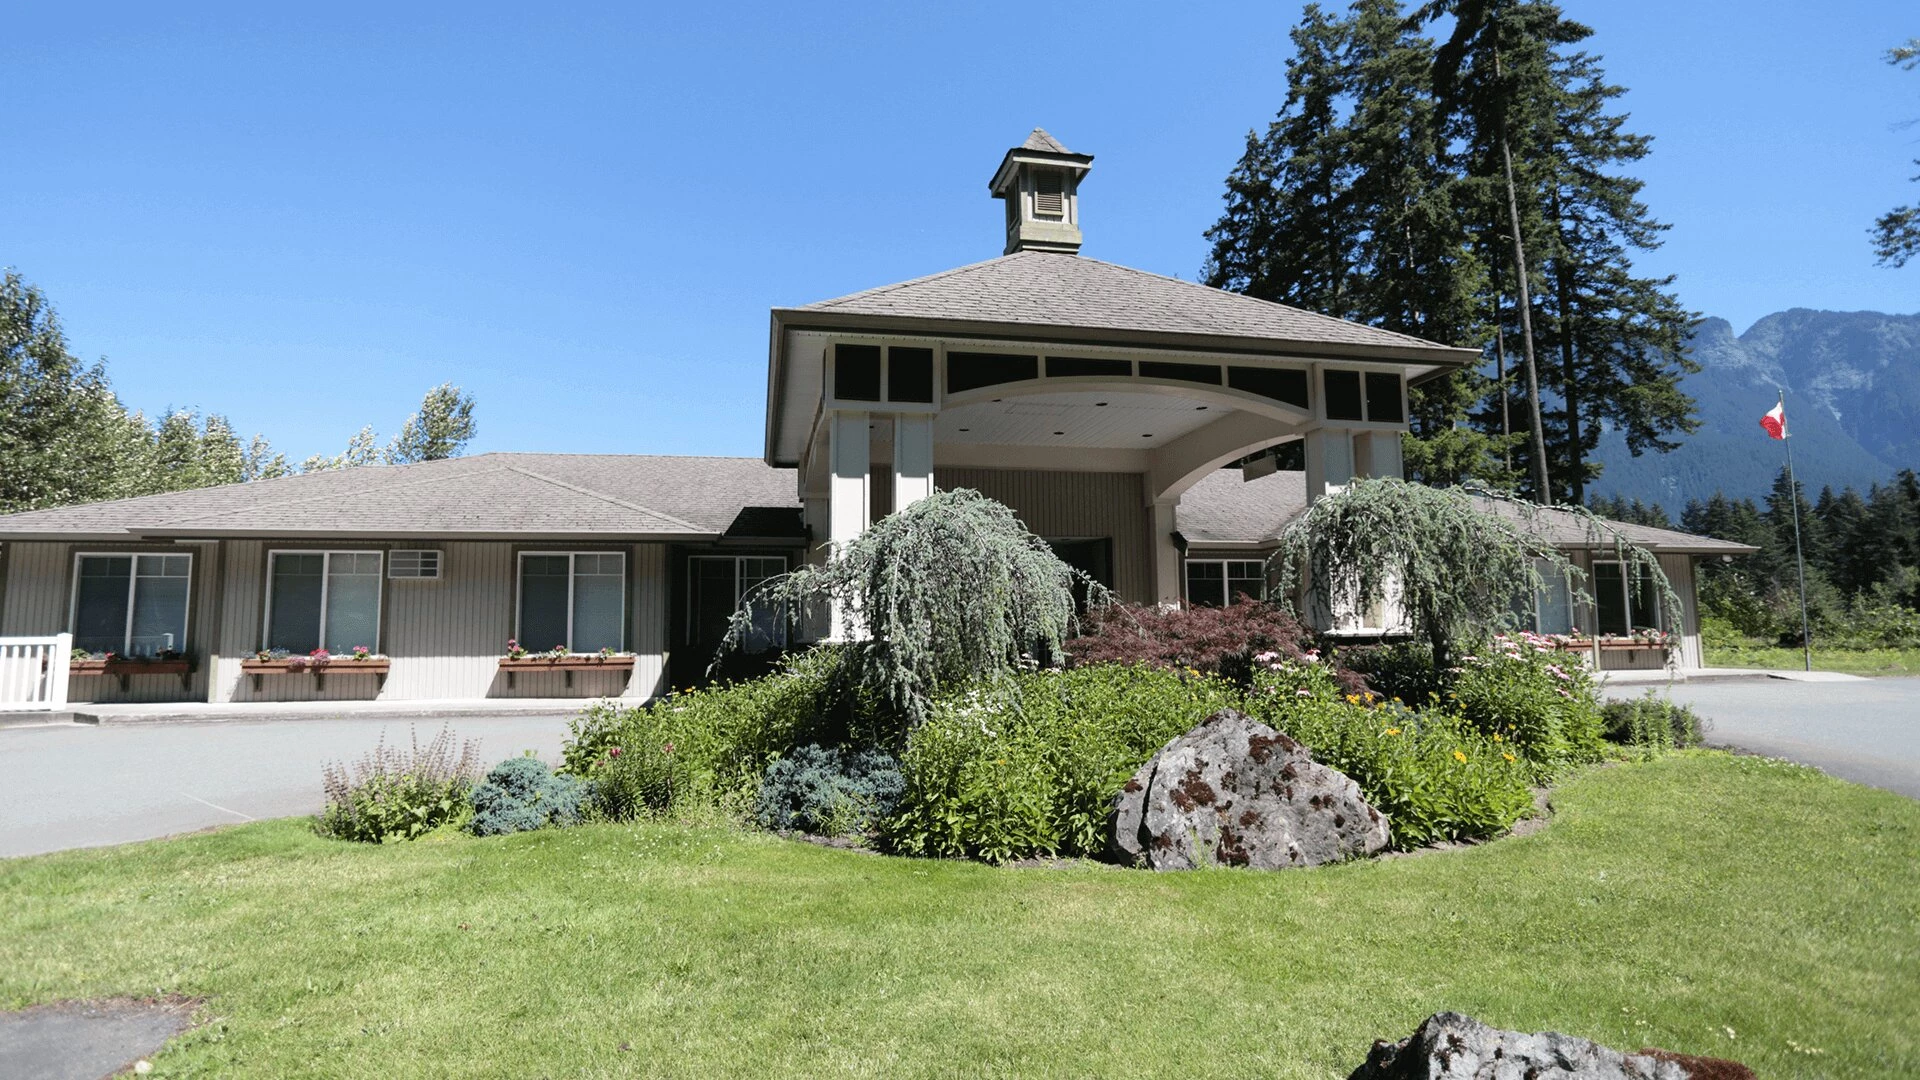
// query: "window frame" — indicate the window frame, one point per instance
point(133, 586)
point(1547, 573)
point(1223, 561)
point(326, 574)
point(572, 555)
point(1318, 390)
point(1627, 583)
point(739, 561)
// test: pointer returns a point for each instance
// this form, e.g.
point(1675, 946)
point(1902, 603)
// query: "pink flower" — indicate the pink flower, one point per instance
point(667, 748)
point(614, 753)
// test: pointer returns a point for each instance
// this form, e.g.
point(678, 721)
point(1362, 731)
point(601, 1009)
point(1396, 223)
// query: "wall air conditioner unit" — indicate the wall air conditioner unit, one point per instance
point(415, 565)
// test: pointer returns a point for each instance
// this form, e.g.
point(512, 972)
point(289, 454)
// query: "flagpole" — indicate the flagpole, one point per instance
point(1800, 561)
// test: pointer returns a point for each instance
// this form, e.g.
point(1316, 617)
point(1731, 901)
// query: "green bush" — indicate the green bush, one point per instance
point(1434, 775)
point(395, 794)
point(522, 794)
point(725, 736)
point(1032, 768)
point(830, 791)
point(638, 780)
point(1652, 723)
point(1520, 688)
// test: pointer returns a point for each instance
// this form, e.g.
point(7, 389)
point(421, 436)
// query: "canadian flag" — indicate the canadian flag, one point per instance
point(1776, 421)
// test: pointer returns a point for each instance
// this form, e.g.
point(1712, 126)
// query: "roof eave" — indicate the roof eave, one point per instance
point(852, 322)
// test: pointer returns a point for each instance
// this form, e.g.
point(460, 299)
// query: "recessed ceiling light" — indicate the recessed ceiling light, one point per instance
point(1059, 433)
point(1199, 408)
point(996, 401)
point(1099, 404)
point(1146, 436)
point(966, 429)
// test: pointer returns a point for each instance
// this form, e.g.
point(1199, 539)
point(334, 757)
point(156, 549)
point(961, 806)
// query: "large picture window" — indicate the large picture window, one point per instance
point(573, 598)
point(1552, 606)
point(716, 586)
point(1219, 582)
point(132, 605)
point(1623, 605)
point(323, 600)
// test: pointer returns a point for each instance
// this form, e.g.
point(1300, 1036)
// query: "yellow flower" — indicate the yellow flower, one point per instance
point(1393, 731)
point(1496, 736)
point(1353, 699)
point(1458, 756)
point(1509, 757)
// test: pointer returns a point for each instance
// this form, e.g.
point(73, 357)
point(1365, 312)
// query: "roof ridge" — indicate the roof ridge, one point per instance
point(1258, 300)
point(882, 290)
point(603, 497)
point(317, 496)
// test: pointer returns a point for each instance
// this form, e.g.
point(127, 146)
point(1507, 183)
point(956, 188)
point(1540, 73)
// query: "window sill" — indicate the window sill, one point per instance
point(581, 662)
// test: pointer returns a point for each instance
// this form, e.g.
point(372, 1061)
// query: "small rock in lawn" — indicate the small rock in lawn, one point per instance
point(1450, 1046)
point(1235, 792)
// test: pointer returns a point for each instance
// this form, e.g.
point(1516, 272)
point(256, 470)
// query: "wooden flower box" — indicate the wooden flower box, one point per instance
point(1626, 645)
point(1575, 645)
point(126, 667)
point(570, 663)
point(300, 665)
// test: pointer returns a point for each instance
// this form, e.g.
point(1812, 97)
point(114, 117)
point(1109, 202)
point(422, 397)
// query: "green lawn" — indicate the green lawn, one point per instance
point(1705, 903)
point(1854, 661)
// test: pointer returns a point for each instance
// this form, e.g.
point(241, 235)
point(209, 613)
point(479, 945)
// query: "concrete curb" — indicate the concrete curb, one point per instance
point(448, 712)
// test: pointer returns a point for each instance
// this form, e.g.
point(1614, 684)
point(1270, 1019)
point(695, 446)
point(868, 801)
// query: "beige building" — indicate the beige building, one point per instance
point(1105, 405)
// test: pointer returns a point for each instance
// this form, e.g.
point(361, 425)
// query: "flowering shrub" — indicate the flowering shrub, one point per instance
point(1032, 768)
point(726, 735)
point(395, 794)
point(1433, 775)
point(631, 781)
point(515, 650)
point(829, 791)
point(1520, 687)
point(1219, 641)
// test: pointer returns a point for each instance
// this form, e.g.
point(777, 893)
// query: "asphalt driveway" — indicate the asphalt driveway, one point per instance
point(1866, 730)
point(78, 785)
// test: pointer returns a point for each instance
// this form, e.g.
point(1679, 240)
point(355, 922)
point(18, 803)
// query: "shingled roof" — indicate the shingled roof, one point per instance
point(1223, 509)
point(1033, 290)
point(487, 495)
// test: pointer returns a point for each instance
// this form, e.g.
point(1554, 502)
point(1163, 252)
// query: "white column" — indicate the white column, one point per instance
point(1329, 460)
point(912, 459)
point(1386, 455)
point(1166, 556)
point(848, 447)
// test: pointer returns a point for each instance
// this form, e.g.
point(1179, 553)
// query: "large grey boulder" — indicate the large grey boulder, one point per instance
point(1235, 792)
point(1449, 1046)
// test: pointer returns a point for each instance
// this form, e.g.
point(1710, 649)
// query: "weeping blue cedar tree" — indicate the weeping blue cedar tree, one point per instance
point(950, 591)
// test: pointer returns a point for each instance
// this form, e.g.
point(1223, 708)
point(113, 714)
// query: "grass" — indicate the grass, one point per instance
point(1702, 902)
point(1852, 661)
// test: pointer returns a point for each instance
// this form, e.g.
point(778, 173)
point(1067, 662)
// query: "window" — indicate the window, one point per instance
point(323, 600)
point(1373, 397)
point(910, 374)
point(1218, 582)
point(573, 598)
point(716, 585)
point(856, 372)
point(1285, 385)
point(1622, 607)
point(971, 371)
point(1552, 606)
point(133, 605)
point(413, 564)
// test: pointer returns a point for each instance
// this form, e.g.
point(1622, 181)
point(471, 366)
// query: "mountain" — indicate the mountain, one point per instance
point(1852, 380)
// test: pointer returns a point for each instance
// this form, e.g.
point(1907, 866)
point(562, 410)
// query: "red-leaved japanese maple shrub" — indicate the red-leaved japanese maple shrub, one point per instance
point(1223, 641)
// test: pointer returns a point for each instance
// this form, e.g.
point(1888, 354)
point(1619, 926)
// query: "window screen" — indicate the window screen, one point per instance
point(1610, 598)
point(599, 601)
point(544, 582)
point(1553, 608)
point(1343, 395)
point(102, 591)
point(353, 600)
point(910, 374)
point(1280, 384)
point(856, 372)
point(1383, 398)
point(294, 592)
point(577, 600)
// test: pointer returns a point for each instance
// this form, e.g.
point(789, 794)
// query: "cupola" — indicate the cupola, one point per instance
point(1040, 182)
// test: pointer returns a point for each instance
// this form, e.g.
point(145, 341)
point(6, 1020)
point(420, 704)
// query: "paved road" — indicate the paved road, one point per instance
point(75, 785)
point(1866, 730)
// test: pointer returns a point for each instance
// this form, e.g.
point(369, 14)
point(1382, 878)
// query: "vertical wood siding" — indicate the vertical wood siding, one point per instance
point(1062, 505)
point(445, 636)
point(39, 599)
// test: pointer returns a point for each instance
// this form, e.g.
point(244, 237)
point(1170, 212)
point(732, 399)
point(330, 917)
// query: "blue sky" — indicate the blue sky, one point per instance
point(303, 219)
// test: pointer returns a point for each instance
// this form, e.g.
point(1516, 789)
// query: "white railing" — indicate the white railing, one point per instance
point(33, 671)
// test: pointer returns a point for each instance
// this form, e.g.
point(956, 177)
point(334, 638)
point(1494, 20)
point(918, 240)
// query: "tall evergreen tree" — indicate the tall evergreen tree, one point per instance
point(1896, 235)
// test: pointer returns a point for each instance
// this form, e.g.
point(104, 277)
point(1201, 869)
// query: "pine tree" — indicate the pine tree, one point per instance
point(1896, 235)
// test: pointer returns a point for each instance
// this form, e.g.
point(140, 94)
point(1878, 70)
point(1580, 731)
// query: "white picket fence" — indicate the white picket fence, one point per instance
point(33, 671)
